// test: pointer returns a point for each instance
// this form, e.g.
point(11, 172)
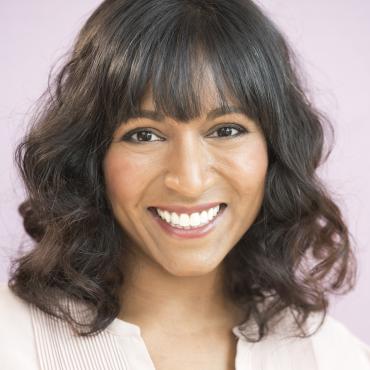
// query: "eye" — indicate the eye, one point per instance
point(140, 136)
point(147, 135)
point(229, 130)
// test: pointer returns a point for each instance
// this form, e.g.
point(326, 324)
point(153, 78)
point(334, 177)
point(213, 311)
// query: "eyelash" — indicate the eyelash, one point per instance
point(128, 137)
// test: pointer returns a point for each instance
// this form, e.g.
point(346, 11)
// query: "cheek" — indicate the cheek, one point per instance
point(246, 167)
point(125, 176)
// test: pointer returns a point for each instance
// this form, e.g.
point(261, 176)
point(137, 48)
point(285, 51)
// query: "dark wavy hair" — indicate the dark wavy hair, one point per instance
point(298, 249)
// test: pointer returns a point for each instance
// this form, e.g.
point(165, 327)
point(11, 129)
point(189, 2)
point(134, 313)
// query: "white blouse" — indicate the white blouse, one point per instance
point(33, 340)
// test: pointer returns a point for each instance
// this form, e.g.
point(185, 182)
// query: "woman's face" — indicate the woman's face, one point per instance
point(156, 162)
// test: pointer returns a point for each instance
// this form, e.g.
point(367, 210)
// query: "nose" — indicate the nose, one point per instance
point(188, 167)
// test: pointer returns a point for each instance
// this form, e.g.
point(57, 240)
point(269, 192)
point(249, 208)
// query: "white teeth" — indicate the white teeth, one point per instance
point(167, 216)
point(204, 217)
point(195, 219)
point(184, 220)
point(174, 218)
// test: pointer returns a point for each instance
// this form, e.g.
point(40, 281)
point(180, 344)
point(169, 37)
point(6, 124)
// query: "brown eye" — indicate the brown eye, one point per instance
point(140, 136)
point(229, 131)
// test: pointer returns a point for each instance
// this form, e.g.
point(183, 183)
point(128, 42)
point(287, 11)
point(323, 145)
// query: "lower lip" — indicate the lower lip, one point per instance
point(188, 233)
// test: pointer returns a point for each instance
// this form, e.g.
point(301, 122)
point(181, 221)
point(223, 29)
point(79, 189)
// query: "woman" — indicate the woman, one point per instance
point(173, 198)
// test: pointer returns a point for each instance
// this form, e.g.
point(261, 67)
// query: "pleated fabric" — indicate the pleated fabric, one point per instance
point(121, 346)
point(59, 348)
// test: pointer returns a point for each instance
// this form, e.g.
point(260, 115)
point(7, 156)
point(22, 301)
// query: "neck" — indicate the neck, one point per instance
point(153, 298)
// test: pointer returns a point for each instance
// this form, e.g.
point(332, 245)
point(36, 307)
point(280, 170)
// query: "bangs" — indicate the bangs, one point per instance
point(171, 51)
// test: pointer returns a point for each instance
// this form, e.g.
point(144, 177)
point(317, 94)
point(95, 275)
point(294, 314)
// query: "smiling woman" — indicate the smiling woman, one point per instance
point(178, 188)
point(173, 198)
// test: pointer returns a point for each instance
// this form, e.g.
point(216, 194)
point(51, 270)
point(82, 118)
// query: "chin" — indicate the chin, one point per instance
point(190, 269)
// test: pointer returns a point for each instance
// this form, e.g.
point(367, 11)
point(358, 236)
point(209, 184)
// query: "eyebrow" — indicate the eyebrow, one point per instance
point(212, 114)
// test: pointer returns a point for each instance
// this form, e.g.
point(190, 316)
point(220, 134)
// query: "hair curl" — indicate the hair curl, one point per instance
point(298, 248)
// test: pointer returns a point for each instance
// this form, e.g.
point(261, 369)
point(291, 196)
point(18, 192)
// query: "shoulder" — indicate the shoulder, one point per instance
point(331, 346)
point(334, 342)
point(14, 313)
point(17, 344)
point(10, 304)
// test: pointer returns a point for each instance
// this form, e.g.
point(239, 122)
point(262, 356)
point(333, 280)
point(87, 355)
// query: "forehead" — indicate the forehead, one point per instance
point(209, 111)
point(191, 90)
point(212, 104)
point(210, 115)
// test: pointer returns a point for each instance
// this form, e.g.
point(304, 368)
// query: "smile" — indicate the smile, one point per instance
point(185, 225)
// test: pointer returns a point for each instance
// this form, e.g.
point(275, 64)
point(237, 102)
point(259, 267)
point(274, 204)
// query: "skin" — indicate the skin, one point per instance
point(172, 281)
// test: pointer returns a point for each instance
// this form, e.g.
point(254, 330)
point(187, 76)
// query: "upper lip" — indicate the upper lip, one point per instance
point(182, 209)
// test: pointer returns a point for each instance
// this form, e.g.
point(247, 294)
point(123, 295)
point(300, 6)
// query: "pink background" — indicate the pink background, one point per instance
point(332, 40)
